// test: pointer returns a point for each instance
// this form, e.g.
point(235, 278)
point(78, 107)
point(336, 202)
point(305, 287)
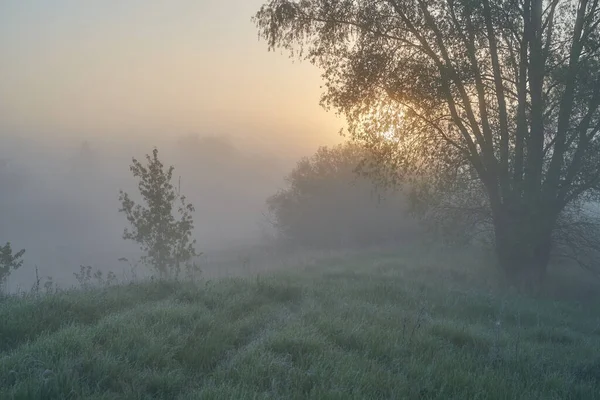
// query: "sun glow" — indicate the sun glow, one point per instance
point(390, 122)
point(388, 134)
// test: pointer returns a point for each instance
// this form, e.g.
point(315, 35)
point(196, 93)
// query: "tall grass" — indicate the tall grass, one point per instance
point(372, 326)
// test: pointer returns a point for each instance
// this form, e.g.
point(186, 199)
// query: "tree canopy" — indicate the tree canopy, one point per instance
point(497, 96)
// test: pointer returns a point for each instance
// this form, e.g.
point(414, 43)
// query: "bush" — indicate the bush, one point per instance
point(9, 261)
point(327, 204)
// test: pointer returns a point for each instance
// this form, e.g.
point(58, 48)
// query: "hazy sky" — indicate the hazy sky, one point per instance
point(152, 68)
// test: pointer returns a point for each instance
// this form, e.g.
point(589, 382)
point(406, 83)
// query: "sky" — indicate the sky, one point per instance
point(149, 69)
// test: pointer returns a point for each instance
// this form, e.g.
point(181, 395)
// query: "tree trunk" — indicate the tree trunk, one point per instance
point(523, 239)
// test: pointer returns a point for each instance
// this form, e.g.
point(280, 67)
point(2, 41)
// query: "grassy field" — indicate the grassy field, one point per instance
point(380, 326)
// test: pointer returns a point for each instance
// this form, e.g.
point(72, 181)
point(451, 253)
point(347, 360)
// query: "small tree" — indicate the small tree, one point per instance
point(167, 241)
point(9, 261)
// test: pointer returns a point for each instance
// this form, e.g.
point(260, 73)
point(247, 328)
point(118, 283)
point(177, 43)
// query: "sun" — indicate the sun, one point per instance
point(391, 124)
point(389, 134)
point(384, 120)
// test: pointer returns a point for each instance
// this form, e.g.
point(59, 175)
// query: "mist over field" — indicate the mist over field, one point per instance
point(406, 207)
point(60, 199)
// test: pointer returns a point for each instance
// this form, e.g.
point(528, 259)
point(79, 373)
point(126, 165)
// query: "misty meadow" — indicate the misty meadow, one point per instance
point(300, 199)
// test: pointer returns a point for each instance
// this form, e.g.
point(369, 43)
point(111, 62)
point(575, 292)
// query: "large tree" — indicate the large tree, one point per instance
point(494, 96)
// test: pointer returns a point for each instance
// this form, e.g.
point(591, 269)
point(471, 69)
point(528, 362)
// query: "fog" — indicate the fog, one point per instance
point(86, 87)
point(59, 199)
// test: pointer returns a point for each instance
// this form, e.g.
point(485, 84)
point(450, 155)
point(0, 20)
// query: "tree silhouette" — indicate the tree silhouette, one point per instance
point(166, 240)
point(496, 96)
point(325, 204)
point(9, 261)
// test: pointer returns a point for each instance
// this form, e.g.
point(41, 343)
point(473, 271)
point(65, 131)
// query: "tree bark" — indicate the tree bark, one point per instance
point(523, 240)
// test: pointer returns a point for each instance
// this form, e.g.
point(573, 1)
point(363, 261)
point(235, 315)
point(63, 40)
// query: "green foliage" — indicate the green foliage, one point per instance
point(166, 241)
point(9, 261)
point(491, 97)
point(370, 327)
point(326, 203)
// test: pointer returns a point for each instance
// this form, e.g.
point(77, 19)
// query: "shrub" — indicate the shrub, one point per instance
point(9, 261)
point(326, 203)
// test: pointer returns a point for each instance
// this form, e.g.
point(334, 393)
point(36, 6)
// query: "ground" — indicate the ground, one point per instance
point(378, 325)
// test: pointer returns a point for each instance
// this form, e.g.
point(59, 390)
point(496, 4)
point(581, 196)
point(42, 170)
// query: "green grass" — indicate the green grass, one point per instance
point(379, 326)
